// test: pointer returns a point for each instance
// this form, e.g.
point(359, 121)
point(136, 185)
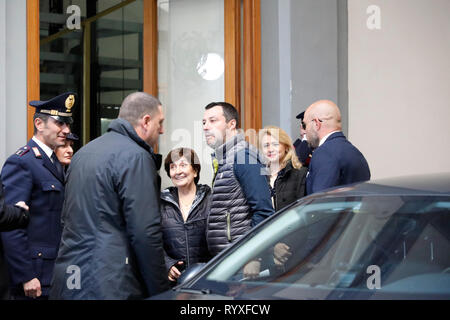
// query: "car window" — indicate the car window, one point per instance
point(368, 243)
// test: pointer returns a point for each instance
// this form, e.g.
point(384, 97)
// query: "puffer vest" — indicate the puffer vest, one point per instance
point(230, 215)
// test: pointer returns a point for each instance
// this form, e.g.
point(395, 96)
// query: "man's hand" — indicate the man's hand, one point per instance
point(251, 269)
point(32, 288)
point(281, 253)
point(174, 273)
point(22, 205)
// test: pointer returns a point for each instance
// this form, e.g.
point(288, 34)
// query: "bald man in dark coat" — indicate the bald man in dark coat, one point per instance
point(335, 160)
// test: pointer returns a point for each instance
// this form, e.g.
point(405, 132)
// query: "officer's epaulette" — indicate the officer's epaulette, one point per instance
point(37, 153)
point(22, 151)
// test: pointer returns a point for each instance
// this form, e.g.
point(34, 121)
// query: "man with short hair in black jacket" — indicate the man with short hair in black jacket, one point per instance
point(111, 245)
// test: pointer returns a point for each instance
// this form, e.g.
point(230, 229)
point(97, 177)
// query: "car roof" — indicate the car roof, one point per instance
point(424, 184)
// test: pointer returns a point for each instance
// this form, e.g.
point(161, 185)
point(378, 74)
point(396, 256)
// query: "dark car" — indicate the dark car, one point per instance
point(386, 239)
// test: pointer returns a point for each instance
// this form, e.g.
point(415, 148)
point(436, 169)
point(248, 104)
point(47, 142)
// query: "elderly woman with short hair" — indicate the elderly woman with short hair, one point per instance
point(65, 153)
point(184, 212)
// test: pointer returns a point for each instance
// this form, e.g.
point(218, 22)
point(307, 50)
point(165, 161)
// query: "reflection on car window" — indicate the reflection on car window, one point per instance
point(354, 243)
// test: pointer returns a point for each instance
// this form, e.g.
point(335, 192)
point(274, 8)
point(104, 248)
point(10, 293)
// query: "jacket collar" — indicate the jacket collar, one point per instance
point(46, 162)
point(48, 151)
point(125, 128)
point(221, 152)
point(332, 136)
point(171, 195)
point(286, 169)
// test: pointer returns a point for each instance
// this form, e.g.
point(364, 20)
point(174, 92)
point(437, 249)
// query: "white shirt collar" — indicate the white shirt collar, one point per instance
point(48, 151)
point(322, 141)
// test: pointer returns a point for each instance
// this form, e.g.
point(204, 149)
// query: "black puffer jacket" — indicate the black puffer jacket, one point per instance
point(185, 241)
point(290, 185)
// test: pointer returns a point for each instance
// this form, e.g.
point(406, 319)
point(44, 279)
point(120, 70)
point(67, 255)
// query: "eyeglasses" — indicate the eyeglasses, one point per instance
point(304, 124)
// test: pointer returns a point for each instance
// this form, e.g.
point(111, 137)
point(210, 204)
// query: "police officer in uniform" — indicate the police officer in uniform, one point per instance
point(302, 149)
point(34, 175)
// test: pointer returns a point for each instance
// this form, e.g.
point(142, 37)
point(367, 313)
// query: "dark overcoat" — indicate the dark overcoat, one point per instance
point(111, 245)
point(336, 162)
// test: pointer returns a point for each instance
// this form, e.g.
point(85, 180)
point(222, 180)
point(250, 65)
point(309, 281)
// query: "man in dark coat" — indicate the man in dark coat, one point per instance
point(11, 217)
point(335, 160)
point(111, 245)
point(34, 175)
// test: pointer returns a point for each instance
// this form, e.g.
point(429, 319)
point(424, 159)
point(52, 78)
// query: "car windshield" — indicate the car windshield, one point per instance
point(342, 248)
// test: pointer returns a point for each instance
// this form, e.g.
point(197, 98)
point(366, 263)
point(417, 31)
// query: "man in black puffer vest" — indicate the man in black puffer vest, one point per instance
point(241, 195)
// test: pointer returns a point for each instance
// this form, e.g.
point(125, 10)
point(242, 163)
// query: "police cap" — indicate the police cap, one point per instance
point(72, 136)
point(300, 115)
point(59, 108)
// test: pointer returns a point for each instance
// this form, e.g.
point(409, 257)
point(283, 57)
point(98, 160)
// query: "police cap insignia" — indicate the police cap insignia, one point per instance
point(59, 107)
point(70, 101)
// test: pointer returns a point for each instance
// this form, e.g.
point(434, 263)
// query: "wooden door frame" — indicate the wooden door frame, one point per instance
point(33, 52)
point(251, 62)
point(150, 47)
point(252, 65)
point(232, 49)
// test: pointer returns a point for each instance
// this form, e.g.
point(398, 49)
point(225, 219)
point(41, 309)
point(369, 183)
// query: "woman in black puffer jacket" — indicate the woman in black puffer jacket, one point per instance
point(184, 212)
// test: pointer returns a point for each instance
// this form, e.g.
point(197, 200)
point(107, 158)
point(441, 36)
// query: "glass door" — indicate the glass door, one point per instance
point(101, 61)
point(190, 73)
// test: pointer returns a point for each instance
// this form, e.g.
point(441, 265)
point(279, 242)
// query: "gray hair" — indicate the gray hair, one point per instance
point(136, 105)
point(42, 116)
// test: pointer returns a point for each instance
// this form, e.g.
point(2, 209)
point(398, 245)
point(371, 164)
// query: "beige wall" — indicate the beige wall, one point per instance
point(13, 77)
point(399, 86)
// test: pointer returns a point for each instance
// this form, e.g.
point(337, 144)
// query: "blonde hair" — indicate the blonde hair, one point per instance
point(283, 138)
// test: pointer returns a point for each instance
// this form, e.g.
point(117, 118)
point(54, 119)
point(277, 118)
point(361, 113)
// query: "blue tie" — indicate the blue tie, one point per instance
point(58, 165)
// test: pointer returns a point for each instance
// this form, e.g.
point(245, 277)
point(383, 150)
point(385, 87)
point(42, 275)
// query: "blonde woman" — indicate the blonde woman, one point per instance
point(287, 184)
point(287, 175)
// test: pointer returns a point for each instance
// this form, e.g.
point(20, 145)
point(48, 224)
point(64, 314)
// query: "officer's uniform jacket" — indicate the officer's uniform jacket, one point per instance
point(30, 176)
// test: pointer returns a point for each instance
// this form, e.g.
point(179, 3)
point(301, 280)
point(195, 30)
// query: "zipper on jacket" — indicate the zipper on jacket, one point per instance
point(187, 263)
point(229, 226)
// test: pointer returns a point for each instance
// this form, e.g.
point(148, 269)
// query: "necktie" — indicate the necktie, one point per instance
point(58, 165)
